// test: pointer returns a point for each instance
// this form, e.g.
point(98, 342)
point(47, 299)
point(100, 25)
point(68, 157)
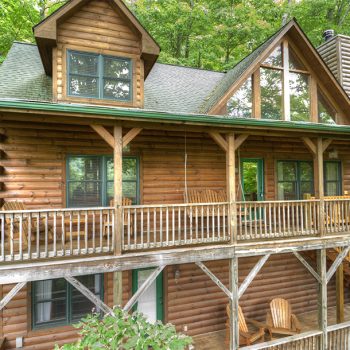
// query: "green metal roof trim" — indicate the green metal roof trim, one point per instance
point(170, 117)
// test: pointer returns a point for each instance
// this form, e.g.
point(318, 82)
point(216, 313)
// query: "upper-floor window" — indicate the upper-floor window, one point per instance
point(282, 88)
point(99, 76)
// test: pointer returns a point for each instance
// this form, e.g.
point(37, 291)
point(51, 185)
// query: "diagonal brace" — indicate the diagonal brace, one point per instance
point(308, 267)
point(336, 263)
point(88, 294)
point(252, 274)
point(143, 288)
point(7, 298)
point(214, 279)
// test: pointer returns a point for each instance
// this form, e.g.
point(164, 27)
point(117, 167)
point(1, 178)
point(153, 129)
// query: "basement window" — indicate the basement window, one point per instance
point(56, 302)
point(99, 76)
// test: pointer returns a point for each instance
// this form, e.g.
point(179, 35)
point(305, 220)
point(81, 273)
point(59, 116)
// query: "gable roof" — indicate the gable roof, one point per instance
point(45, 32)
point(167, 88)
point(246, 67)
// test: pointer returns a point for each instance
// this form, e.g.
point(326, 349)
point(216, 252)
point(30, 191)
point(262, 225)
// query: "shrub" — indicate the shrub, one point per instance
point(123, 331)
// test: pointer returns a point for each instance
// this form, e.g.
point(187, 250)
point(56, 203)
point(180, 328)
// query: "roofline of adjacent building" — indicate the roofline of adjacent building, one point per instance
point(167, 117)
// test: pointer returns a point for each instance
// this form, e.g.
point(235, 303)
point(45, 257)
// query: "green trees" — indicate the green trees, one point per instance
point(126, 332)
point(212, 34)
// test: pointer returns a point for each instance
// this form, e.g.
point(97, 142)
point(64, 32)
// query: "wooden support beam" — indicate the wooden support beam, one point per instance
point(252, 274)
point(313, 100)
point(308, 266)
point(319, 183)
point(219, 140)
point(336, 263)
point(214, 279)
point(234, 324)
point(340, 293)
point(256, 95)
point(150, 279)
point(240, 139)
point(7, 298)
point(89, 295)
point(286, 87)
point(326, 144)
point(104, 133)
point(130, 136)
point(322, 297)
point(231, 186)
point(310, 145)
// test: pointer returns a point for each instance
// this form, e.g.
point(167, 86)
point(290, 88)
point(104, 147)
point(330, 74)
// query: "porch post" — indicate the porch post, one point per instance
point(340, 293)
point(231, 185)
point(118, 195)
point(319, 183)
point(234, 327)
point(322, 297)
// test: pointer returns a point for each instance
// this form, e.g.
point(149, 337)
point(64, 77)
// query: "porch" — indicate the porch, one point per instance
point(57, 233)
point(338, 335)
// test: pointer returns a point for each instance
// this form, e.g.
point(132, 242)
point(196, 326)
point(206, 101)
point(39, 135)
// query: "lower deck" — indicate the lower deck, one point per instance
point(217, 340)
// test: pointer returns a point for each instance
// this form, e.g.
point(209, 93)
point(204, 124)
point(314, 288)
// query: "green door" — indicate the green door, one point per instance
point(151, 302)
point(252, 180)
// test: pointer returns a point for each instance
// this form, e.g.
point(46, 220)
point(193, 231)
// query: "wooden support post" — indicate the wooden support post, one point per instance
point(89, 295)
point(319, 186)
point(340, 293)
point(150, 279)
point(339, 259)
point(234, 325)
point(322, 297)
point(220, 141)
point(118, 196)
point(7, 298)
point(231, 185)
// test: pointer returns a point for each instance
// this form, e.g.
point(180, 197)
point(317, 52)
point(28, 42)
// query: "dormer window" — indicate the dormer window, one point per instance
point(99, 76)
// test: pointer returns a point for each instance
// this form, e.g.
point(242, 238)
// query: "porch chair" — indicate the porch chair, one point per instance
point(19, 205)
point(280, 320)
point(247, 335)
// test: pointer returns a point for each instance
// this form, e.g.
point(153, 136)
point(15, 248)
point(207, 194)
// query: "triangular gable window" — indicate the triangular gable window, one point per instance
point(282, 88)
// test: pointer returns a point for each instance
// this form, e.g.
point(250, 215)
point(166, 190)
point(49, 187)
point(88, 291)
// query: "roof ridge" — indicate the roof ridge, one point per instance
point(24, 43)
point(189, 67)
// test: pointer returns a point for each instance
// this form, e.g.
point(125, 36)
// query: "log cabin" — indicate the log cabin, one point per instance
point(172, 190)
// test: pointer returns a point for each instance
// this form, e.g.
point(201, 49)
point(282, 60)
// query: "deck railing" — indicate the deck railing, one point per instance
point(35, 234)
point(339, 336)
point(337, 215)
point(277, 219)
point(155, 226)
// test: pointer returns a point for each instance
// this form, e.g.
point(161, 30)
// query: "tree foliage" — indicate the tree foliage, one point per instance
point(126, 332)
point(212, 34)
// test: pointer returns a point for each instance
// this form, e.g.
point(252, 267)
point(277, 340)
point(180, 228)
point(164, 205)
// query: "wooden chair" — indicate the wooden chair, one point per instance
point(108, 224)
point(280, 320)
point(18, 205)
point(250, 331)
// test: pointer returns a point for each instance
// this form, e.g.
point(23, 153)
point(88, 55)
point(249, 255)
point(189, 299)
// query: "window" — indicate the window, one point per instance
point(56, 302)
point(326, 113)
point(99, 76)
point(294, 179)
point(90, 180)
point(332, 178)
point(240, 104)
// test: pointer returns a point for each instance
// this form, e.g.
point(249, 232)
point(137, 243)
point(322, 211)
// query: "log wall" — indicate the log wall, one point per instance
point(97, 28)
point(33, 167)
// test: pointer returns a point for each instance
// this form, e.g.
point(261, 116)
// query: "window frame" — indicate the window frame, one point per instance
point(100, 77)
point(298, 182)
point(104, 179)
point(339, 181)
point(69, 319)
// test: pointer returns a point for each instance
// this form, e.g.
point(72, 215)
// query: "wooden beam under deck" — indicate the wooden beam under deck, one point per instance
point(35, 271)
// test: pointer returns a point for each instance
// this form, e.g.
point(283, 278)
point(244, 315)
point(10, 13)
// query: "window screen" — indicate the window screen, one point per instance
point(332, 178)
point(99, 76)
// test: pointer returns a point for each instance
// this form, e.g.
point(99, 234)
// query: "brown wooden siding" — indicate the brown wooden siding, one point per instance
point(98, 28)
point(33, 166)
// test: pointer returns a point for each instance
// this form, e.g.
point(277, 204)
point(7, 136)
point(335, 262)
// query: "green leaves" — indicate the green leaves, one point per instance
point(123, 331)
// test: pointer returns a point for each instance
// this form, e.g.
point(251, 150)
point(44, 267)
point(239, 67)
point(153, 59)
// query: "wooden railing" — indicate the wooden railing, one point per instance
point(337, 215)
point(155, 226)
point(339, 336)
point(35, 234)
point(303, 341)
point(277, 219)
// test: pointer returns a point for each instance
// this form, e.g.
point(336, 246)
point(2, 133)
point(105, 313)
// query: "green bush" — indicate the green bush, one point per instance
point(123, 331)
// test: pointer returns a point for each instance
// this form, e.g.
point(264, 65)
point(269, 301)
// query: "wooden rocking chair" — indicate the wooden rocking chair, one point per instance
point(108, 224)
point(247, 335)
point(280, 319)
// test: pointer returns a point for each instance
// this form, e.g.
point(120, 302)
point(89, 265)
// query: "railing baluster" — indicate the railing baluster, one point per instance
point(20, 236)
point(2, 217)
point(191, 211)
point(63, 238)
point(94, 232)
point(148, 228)
point(141, 227)
point(196, 223)
point(86, 231)
point(46, 235)
point(38, 236)
point(54, 233)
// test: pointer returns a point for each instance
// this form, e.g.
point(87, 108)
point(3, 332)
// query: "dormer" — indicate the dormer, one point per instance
point(97, 53)
point(283, 79)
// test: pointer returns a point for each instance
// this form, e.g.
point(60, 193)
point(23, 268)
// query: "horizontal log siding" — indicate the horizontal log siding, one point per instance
point(34, 171)
point(99, 28)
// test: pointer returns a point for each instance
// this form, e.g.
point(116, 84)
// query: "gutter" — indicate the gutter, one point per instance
point(147, 115)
